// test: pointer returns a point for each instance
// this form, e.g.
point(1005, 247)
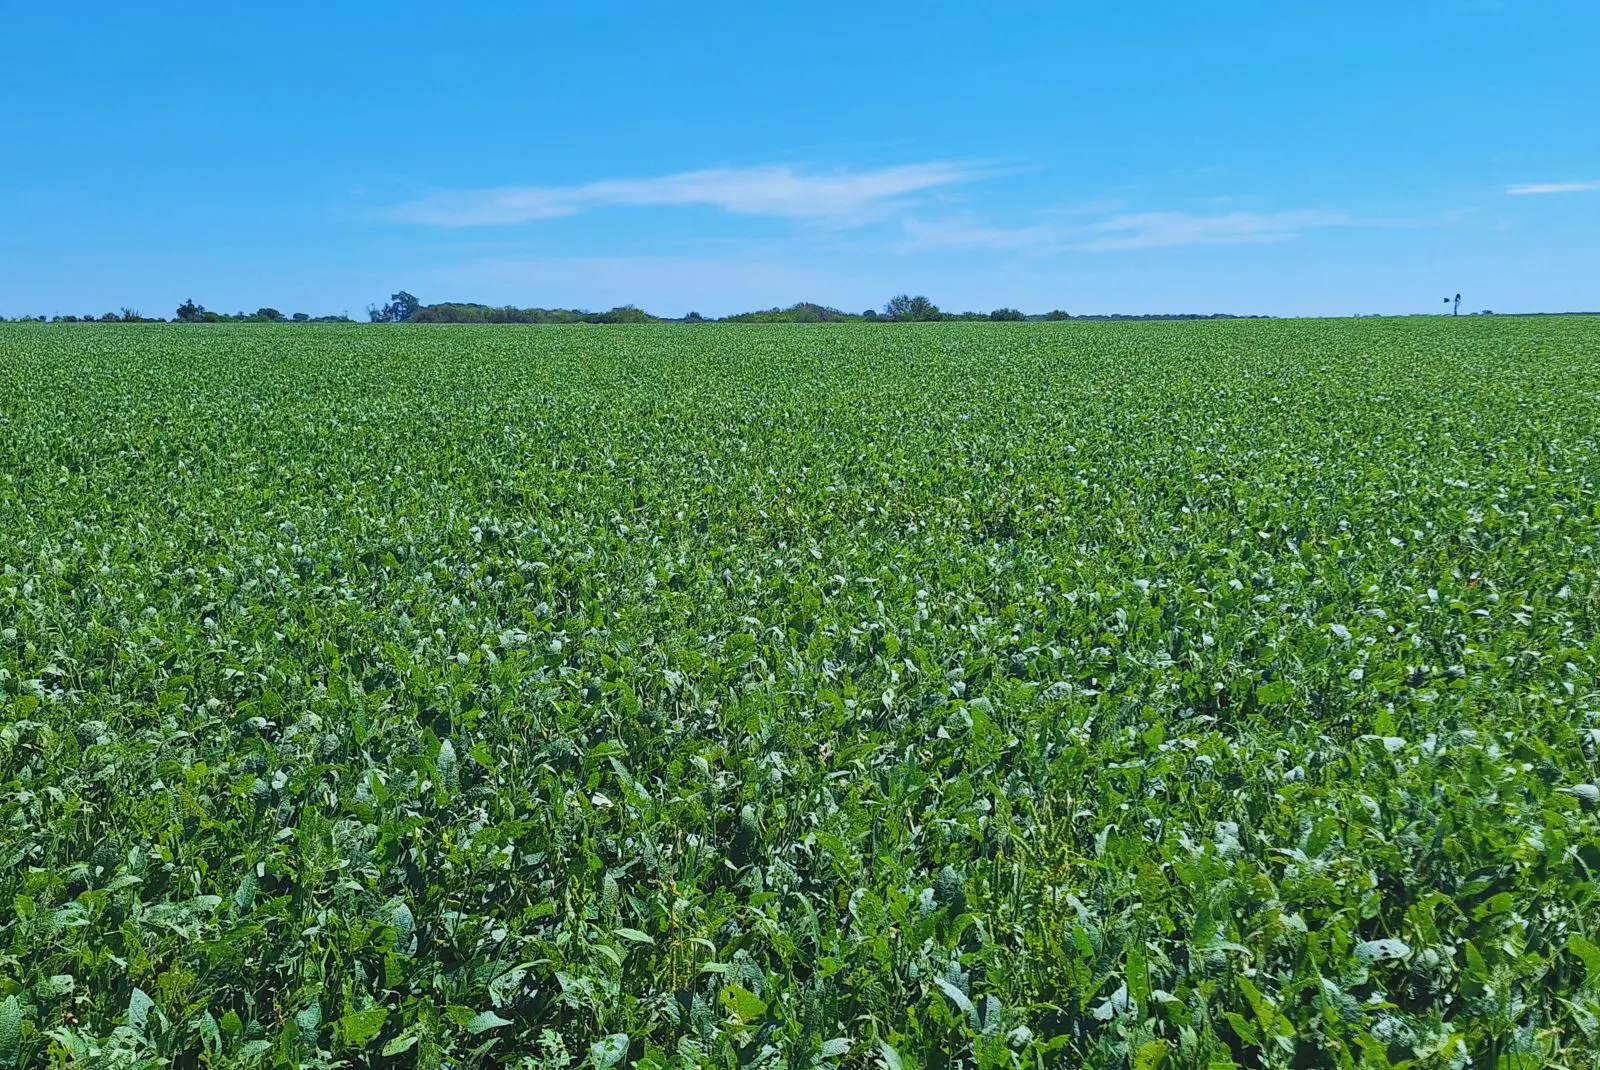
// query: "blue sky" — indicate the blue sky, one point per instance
point(1244, 156)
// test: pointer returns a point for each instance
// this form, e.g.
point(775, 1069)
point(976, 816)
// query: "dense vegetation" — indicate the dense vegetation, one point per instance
point(1010, 695)
point(459, 312)
point(407, 308)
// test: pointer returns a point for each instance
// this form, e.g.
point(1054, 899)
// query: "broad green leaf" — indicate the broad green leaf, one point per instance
point(57, 985)
point(139, 1007)
point(399, 1045)
point(309, 1017)
point(10, 1031)
point(357, 1029)
point(956, 996)
point(743, 1004)
point(1588, 953)
point(1387, 950)
point(485, 1021)
point(608, 1051)
point(1152, 1054)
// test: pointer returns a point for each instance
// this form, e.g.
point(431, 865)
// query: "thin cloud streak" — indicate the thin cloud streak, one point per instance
point(836, 197)
point(1124, 233)
point(1153, 230)
point(964, 233)
point(1541, 188)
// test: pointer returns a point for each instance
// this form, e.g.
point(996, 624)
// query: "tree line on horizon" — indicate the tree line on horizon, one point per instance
point(404, 307)
point(903, 308)
point(188, 312)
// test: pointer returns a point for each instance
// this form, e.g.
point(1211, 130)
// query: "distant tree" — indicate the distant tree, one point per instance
point(870, 314)
point(401, 307)
point(1057, 314)
point(801, 312)
point(694, 317)
point(904, 307)
point(1009, 314)
point(268, 315)
point(189, 312)
point(300, 317)
point(625, 314)
point(811, 312)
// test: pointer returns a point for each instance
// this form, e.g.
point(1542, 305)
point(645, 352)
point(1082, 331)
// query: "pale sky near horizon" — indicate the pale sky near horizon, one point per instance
point(1246, 157)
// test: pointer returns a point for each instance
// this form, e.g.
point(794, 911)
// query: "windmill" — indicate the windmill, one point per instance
point(1457, 312)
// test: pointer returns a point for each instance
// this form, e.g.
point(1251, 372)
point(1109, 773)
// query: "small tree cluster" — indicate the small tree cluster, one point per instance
point(401, 307)
point(906, 308)
point(191, 312)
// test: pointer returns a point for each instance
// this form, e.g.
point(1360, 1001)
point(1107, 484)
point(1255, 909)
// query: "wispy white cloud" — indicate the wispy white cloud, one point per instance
point(1152, 230)
point(901, 196)
point(837, 197)
point(1124, 232)
point(923, 234)
point(1536, 188)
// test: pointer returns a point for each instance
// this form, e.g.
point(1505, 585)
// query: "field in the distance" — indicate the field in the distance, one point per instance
point(904, 695)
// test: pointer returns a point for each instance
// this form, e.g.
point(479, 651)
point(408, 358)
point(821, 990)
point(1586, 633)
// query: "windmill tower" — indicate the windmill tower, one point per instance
point(1457, 311)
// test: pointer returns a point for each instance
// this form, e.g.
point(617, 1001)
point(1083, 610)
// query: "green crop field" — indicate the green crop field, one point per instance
point(993, 695)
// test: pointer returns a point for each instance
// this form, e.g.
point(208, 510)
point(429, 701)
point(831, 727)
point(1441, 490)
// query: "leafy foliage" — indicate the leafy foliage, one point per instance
point(466, 312)
point(906, 307)
point(400, 308)
point(1170, 695)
